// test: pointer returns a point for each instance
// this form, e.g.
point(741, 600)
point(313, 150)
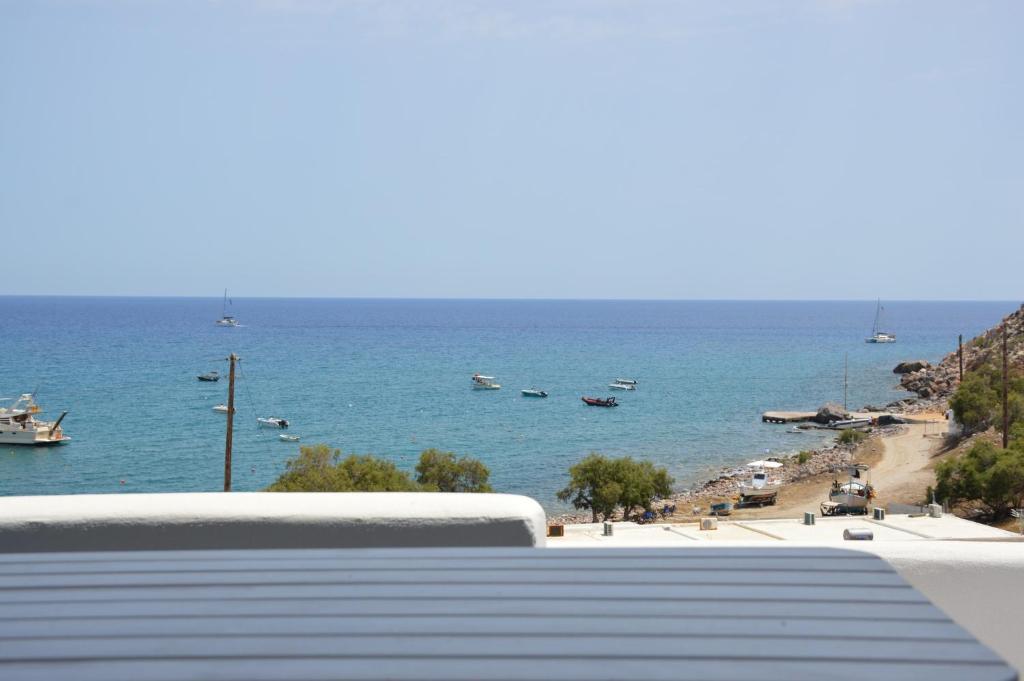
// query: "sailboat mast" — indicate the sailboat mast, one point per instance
point(878, 311)
point(224, 305)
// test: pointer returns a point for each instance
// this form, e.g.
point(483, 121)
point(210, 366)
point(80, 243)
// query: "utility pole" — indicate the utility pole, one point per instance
point(846, 378)
point(960, 355)
point(1006, 393)
point(231, 420)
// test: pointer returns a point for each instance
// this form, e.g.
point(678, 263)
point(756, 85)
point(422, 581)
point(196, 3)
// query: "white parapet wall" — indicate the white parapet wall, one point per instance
point(126, 522)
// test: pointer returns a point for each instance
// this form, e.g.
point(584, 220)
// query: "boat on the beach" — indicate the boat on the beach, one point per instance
point(601, 401)
point(533, 392)
point(761, 488)
point(226, 319)
point(481, 382)
point(285, 437)
point(19, 426)
point(617, 385)
point(877, 335)
point(209, 377)
point(721, 508)
point(851, 497)
point(846, 424)
point(271, 422)
point(221, 408)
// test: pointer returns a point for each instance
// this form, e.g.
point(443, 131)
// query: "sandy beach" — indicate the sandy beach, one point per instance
point(901, 460)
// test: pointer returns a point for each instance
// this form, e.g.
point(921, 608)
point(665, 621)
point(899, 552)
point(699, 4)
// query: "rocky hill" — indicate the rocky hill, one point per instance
point(939, 381)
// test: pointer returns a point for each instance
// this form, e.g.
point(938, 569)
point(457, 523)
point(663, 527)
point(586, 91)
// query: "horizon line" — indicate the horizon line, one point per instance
point(512, 299)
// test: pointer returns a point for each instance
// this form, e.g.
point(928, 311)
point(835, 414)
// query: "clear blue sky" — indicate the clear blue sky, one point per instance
point(757, 149)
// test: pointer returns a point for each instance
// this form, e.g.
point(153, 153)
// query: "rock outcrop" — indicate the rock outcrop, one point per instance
point(911, 366)
point(941, 380)
point(831, 412)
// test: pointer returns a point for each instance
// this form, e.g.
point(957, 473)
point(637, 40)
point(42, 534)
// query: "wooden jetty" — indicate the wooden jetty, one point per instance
point(787, 416)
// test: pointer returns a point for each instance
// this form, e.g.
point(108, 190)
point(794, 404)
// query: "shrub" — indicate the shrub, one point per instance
point(318, 468)
point(985, 478)
point(851, 437)
point(803, 457)
point(440, 471)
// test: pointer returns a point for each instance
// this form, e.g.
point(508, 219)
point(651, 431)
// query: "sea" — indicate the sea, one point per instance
point(393, 377)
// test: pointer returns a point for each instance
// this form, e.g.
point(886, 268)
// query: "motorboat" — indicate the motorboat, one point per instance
point(209, 377)
point(533, 392)
point(226, 319)
point(846, 424)
point(481, 382)
point(761, 487)
point(601, 401)
point(626, 381)
point(721, 508)
point(622, 386)
point(19, 425)
point(285, 437)
point(221, 408)
point(877, 335)
point(271, 422)
point(852, 496)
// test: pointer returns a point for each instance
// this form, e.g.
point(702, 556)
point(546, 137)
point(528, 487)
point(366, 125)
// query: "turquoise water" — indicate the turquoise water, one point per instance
point(392, 377)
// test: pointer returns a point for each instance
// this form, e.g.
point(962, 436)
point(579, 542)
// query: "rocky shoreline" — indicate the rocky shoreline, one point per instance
point(725, 487)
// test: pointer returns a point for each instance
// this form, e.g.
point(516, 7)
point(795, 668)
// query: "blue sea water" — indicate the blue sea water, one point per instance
point(392, 377)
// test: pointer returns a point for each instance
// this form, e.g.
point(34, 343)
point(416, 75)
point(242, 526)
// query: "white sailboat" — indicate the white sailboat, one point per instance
point(877, 335)
point(226, 319)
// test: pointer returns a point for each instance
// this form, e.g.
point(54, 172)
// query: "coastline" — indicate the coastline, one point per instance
point(900, 451)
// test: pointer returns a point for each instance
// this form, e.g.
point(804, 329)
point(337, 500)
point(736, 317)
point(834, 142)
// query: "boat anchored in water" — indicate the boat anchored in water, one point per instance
point(762, 488)
point(601, 401)
point(622, 385)
point(209, 377)
point(533, 392)
point(271, 422)
point(481, 382)
point(284, 437)
point(226, 319)
point(877, 335)
point(19, 426)
point(221, 408)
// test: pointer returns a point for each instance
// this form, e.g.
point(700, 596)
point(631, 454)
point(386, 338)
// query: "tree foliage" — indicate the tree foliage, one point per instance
point(600, 485)
point(986, 478)
point(319, 468)
point(442, 472)
point(851, 436)
point(977, 402)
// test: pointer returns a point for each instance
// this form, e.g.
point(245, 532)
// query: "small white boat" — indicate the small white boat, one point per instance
point(19, 426)
point(762, 488)
point(622, 386)
point(852, 496)
point(878, 336)
point(285, 437)
point(533, 392)
point(628, 381)
point(210, 377)
point(481, 382)
point(221, 409)
point(847, 424)
point(226, 319)
point(271, 422)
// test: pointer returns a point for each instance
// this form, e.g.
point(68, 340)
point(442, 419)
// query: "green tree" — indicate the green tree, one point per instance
point(641, 483)
point(986, 478)
point(975, 402)
point(592, 486)
point(318, 468)
point(601, 484)
point(442, 472)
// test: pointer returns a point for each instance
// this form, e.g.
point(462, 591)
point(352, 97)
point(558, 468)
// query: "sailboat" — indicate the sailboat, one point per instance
point(877, 335)
point(226, 319)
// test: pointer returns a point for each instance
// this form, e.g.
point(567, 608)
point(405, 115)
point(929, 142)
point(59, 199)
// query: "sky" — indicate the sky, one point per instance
point(805, 149)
